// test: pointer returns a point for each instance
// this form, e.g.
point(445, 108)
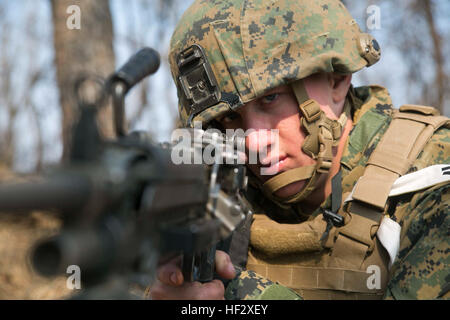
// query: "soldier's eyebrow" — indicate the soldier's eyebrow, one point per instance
point(280, 89)
point(227, 114)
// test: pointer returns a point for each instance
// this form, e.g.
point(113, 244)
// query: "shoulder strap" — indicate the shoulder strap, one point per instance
point(411, 128)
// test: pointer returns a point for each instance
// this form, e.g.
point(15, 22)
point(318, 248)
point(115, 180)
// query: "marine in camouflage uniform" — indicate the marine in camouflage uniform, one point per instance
point(253, 46)
point(421, 269)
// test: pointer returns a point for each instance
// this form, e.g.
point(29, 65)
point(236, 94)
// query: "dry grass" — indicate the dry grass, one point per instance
point(18, 233)
point(17, 279)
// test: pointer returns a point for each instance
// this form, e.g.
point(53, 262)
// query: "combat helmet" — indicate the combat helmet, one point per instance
point(225, 53)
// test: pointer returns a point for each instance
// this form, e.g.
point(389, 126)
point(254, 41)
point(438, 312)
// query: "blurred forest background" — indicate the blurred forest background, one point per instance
point(40, 58)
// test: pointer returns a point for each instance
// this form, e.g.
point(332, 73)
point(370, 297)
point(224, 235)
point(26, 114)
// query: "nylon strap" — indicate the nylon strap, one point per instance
point(395, 154)
point(310, 186)
point(315, 294)
point(336, 192)
point(401, 144)
point(301, 277)
point(300, 92)
point(288, 177)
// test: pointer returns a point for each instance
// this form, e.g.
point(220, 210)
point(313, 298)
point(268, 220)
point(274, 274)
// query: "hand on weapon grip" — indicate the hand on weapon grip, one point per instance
point(170, 284)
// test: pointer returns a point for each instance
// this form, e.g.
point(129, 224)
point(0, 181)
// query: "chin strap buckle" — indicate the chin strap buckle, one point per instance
point(330, 131)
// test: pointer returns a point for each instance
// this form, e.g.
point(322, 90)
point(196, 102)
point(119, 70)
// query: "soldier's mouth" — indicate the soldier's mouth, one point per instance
point(273, 166)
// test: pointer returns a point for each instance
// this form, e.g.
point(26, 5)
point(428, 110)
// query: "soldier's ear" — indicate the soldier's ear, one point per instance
point(339, 84)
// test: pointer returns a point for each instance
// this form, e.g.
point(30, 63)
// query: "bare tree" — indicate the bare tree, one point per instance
point(413, 33)
point(88, 50)
point(164, 14)
point(18, 101)
point(11, 108)
point(440, 78)
point(421, 47)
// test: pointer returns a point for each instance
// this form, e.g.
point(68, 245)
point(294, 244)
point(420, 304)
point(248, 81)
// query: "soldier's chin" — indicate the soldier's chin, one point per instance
point(291, 189)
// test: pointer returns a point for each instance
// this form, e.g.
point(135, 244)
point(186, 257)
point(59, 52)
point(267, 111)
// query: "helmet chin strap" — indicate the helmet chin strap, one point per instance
point(322, 134)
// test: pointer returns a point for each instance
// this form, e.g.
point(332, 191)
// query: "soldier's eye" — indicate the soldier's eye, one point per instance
point(269, 98)
point(230, 117)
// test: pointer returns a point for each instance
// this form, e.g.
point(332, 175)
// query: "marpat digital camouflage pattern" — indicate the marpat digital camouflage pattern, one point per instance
point(251, 286)
point(257, 45)
point(422, 268)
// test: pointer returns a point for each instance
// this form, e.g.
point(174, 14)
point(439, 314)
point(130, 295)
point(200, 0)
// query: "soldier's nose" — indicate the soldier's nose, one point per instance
point(259, 143)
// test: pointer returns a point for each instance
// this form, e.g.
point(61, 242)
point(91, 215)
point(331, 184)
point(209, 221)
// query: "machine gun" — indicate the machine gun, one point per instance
point(125, 204)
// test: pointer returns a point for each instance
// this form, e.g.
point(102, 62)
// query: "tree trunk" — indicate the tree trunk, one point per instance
point(88, 49)
point(437, 55)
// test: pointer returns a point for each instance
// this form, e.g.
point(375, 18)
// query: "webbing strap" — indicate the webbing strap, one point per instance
point(401, 144)
point(417, 108)
point(436, 122)
point(317, 294)
point(287, 177)
point(390, 161)
point(300, 93)
point(394, 155)
point(299, 196)
point(301, 277)
point(356, 238)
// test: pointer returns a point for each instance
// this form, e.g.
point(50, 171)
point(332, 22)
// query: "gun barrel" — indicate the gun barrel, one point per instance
point(90, 250)
point(61, 193)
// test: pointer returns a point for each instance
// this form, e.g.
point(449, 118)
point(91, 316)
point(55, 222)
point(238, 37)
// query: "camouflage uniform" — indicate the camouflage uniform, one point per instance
point(253, 46)
point(250, 286)
point(421, 270)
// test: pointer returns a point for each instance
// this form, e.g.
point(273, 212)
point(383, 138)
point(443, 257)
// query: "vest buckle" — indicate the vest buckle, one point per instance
point(334, 218)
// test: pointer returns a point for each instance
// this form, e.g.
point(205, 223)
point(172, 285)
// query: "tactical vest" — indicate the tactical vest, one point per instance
point(351, 262)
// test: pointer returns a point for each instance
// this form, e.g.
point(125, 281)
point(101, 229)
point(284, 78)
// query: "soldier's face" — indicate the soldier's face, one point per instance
point(278, 109)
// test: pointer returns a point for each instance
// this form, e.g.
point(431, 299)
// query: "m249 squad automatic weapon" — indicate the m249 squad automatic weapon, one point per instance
point(124, 203)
